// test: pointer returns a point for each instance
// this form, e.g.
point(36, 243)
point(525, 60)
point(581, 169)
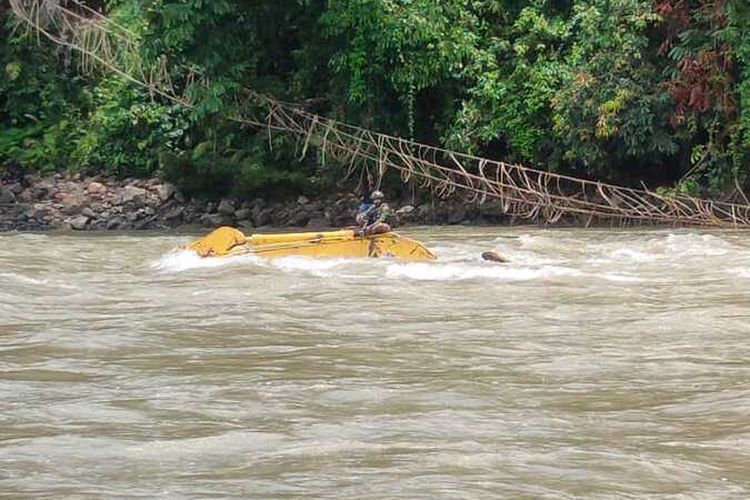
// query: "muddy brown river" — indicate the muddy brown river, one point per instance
point(597, 364)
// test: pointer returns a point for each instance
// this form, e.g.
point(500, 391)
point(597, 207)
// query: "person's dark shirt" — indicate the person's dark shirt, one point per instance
point(378, 214)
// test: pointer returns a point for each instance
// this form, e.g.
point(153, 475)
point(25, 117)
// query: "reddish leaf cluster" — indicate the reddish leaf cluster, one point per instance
point(676, 17)
point(704, 81)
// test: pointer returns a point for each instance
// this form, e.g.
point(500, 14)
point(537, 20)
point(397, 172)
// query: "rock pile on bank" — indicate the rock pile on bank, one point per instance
point(98, 203)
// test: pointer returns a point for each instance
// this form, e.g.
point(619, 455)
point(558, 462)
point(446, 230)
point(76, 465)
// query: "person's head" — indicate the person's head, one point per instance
point(377, 197)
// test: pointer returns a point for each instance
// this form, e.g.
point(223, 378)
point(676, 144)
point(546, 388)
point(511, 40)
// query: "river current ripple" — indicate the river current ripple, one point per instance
point(597, 364)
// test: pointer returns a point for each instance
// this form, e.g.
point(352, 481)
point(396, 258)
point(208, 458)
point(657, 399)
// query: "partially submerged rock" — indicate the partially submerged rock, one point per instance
point(494, 257)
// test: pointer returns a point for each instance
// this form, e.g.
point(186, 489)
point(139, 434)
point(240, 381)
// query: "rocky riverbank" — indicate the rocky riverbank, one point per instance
point(62, 202)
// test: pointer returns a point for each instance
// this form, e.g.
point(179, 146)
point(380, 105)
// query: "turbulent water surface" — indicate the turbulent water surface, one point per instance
point(599, 364)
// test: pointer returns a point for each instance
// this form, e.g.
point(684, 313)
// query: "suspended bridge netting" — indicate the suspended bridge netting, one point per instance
point(522, 192)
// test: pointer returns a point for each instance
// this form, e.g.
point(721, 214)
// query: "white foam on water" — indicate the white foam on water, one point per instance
point(694, 245)
point(454, 264)
point(532, 257)
point(677, 249)
point(27, 280)
point(621, 278)
point(308, 263)
point(456, 272)
point(740, 272)
point(631, 254)
point(185, 260)
point(44, 282)
point(453, 268)
point(465, 253)
point(315, 266)
point(529, 241)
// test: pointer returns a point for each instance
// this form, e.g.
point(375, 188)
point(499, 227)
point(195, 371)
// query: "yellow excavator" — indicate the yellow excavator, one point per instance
point(228, 241)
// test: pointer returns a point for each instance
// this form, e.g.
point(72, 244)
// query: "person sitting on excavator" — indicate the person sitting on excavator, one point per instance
point(375, 219)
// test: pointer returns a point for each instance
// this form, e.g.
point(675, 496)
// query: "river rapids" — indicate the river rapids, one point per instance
point(596, 364)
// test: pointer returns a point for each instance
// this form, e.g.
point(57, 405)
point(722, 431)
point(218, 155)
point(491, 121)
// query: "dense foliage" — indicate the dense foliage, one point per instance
point(630, 91)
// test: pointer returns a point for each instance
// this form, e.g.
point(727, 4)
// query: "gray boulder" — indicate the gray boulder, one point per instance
point(133, 194)
point(246, 225)
point(72, 202)
point(79, 222)
point(243, 214)
point(456, 214)
point(318, 223)
point(299, 219)
point(165, 191)
point(225, 207)
point(6, 195)
point(96, 188)
point(174, 212)
point(212, 220)
point(261, 217)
